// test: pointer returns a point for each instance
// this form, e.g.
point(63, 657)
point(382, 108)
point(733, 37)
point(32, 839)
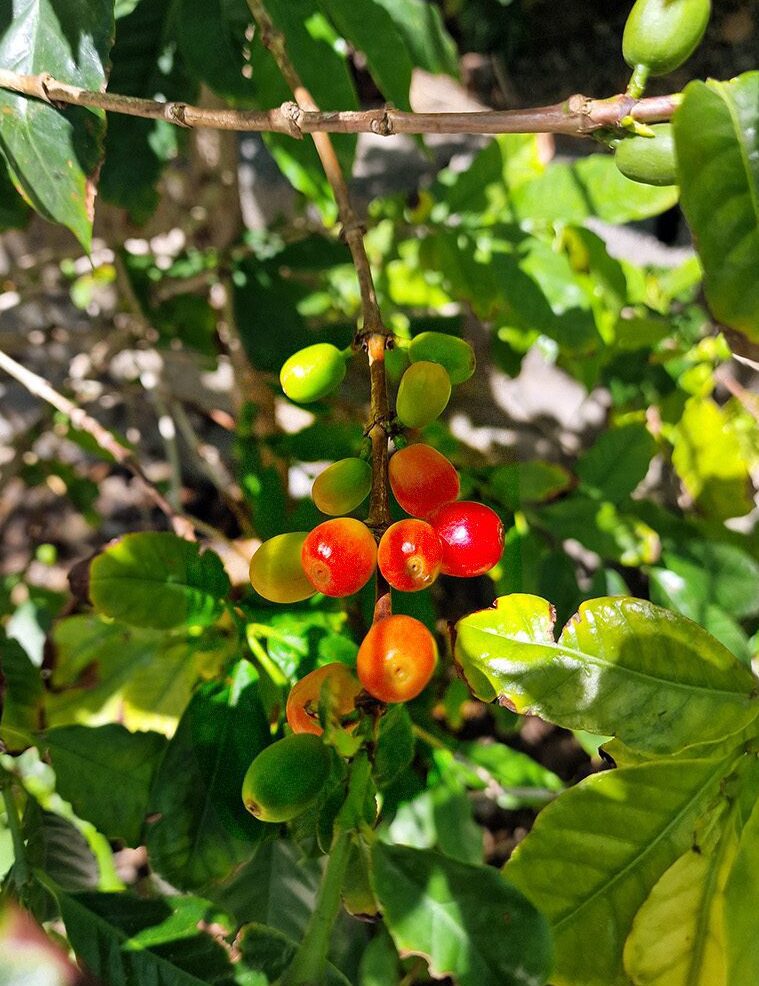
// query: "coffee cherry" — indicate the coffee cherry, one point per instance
point(396, 659)
point(276, 572)
point(455, 355)
point(339, 556)
point(661, 34)
point(342, 486)
point(422, 479)
point(648, 160)
point(410, 555)
point(312, 373)
point(286, 777)
point(472, 537)
point(302, 709)
point(423, 394)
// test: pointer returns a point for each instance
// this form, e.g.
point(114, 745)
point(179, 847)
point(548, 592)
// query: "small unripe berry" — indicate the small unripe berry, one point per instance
point(396, 658)
point(423, 394)
point(472, 538)
point(342, 486)
point(649, 160)
point(455, 355)
point(339, 556)
point(302, 709)
point(422, 479)
point(276, 572)
point(285, 778)
point(409, 555)
point(312, 373)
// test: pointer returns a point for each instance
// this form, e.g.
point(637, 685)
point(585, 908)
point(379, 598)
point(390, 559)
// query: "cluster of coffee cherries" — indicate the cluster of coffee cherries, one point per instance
point(441, 535)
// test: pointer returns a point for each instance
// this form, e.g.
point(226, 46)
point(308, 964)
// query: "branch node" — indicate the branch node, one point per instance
point(175, 113)
point(383, 125)
point(293, 115)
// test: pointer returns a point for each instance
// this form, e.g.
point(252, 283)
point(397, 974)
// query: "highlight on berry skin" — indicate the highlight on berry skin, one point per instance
point(422, 479)
point(339, 556)
point(396, 659)
point(276, 572)
point(472, 536)
point(410, 555)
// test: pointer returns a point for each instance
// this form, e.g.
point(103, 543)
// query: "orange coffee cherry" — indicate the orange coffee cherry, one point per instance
point(410, 555)
point(396, 659)
point(339, 556)
point(302, 709)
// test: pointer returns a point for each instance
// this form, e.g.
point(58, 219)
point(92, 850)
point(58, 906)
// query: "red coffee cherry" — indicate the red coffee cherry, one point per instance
point(302, 709)
point(396, 659)
point(422, 479)
point(472, 537)
point(410, 555)
point(339, 556)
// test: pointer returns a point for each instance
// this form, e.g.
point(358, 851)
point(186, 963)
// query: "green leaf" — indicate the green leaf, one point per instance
point(621, 667)
point(596, 853)
point(14, 212)
point(528, 482)
point(272, 952)
point(126, 940)
point(394, 749)
point(421, 25)
point(688, 903)
point(512, 778)
point(203, 831)
point(21, 695)
point(710, 572)
point(708, 458)
point(741, 902)
point(717, 138)
point(155, 579)
point(211, 37)
point(591, 186)
point(53, 155)
point(106, 773)
point(107, 672)
point(617, 463)
point(466, 921)
point(370, 29)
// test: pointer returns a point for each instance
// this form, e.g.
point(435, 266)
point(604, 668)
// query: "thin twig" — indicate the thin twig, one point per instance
point(183, 524)
point(577, 116)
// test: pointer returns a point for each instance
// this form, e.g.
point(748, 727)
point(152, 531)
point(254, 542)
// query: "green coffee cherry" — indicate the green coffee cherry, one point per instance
point(396, 363)
point(312, 373)
point(662, 34)
point(286, 777)
point(452, 353)
point(276, 572)
point(423, 394)
point(649, 160)
point(342, 486)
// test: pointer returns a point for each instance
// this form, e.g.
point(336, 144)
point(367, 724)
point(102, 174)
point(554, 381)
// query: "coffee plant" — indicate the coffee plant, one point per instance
point(273, 734)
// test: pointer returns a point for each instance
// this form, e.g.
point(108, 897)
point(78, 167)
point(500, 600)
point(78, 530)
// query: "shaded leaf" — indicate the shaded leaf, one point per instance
point(617, 463)
point(421, 25)
point(741, 903)
point(272, 952)
point(21, 695)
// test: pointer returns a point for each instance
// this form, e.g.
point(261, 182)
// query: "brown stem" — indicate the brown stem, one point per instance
point(182, 524)
point(577, 116)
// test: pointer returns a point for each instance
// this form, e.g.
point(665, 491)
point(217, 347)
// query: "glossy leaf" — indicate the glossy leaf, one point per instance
point(621, 667)
point(106, 773)
point(202, 831)
point(155, 579)
point(709, 571)
point(596, 853)
point(53, 155)
point(717, 138)
point(708, 458)
point(447, 911)
point(617, 463)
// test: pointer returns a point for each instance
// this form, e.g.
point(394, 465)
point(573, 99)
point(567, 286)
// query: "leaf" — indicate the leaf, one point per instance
point(203, 831)
point(466, 921)
point(421, 25)
point(127, 940)
point(528, 482)
point(156, 579)
point(14, 212)
point(711, 572)
point(53, 155)
point(106, 773)
point(371, 30)
point(394, 749)
point(717, 138)
point(708, 458)
point(617, 463)
point(677, 937)
point(596, 853)
point(591, 186)
point(622, 667)
point(106, 672)
point(21, 695)
point(272, 952)
point(741, 902)
point(211, 38)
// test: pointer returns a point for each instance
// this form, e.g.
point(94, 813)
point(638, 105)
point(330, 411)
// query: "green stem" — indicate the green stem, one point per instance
point(308, 966)
point(21, 865)
point(638, 82)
